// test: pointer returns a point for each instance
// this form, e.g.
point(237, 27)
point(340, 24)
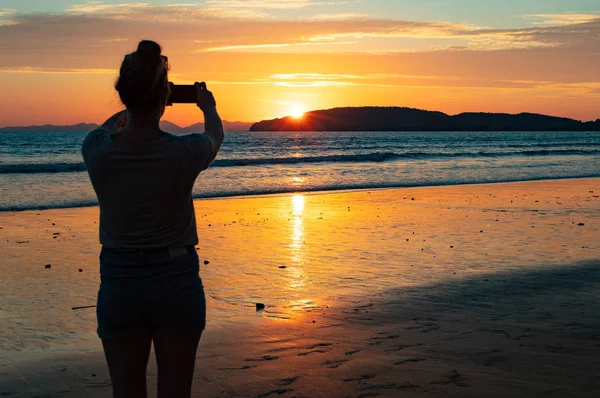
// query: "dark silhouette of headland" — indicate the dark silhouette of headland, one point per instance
point(409, 119)
point(370, 118)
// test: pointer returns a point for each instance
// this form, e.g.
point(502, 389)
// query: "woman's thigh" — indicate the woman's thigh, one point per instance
point(176, 358)
point(127, 359)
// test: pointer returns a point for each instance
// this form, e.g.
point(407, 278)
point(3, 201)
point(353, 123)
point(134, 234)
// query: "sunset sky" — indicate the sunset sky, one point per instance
point(265, 59)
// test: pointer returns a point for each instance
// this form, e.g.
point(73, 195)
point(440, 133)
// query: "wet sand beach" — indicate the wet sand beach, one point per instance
point(456, 291)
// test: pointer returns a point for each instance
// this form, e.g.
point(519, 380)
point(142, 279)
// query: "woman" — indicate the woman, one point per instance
point(150, 290)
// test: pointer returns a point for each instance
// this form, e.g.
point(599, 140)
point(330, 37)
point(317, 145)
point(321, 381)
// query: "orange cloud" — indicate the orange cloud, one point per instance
point(270, 4)
point(258, 65)
point(57, 71)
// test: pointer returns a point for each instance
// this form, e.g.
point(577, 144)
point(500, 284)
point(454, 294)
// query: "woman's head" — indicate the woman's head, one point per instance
point(143, 84)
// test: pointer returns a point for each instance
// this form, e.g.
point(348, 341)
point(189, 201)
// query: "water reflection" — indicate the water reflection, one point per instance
point(298, 204)
point(297, 242)
point(297, 182)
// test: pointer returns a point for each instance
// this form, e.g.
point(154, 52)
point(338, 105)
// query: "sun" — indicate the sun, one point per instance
point(296, 112)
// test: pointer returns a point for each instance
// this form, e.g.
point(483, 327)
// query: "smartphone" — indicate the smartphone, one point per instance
point(182, 94)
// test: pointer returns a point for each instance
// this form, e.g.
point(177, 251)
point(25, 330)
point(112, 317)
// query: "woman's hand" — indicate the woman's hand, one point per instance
point(205, 98)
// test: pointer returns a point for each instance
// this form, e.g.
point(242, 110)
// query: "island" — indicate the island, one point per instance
point(373, 118)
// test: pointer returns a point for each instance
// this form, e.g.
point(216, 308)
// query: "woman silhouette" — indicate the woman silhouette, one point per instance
point(150, 289)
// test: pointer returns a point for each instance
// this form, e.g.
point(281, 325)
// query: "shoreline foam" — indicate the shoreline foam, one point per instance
point(317, 191)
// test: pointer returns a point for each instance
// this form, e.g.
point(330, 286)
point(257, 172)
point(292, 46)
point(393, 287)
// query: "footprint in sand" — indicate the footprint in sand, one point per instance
point(393, 336)
point(430, 329)
point(334, 364)
point(369, 394)
point(312, 347)
point(403, 346)
point(409, 360)
point(265, 358)
point(313, 352)
point(379, 340)
point(241, 368)
point(278, 392)
point(392, 386)
point(361, 377)
point(320, 351)
point(290, 380)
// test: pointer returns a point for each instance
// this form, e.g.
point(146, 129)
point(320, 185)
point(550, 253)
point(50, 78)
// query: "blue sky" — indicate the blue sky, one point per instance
point(489, 13)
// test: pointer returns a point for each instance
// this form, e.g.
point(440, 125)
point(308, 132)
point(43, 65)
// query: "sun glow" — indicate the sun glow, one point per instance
point(296, 112)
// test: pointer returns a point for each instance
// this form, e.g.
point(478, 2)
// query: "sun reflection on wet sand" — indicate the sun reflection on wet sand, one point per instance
point(298, 203)
point(297, 280)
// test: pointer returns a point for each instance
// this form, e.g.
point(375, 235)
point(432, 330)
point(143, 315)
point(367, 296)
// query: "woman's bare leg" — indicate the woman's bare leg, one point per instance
point(127, 359)
point(175, 357)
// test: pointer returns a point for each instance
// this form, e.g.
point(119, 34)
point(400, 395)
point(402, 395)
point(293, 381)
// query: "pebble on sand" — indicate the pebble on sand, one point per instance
point(282, 266)
point(48, 266)
point(206, 262)
point(260, 306)
point(581, 224)
point(80, 270)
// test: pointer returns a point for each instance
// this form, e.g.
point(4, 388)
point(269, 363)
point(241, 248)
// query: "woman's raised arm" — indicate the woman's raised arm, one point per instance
point(213, 125)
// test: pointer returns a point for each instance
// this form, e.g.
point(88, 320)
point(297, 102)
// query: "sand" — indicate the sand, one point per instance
point(461, 291)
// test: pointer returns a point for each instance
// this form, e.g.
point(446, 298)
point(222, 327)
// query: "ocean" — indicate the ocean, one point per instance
point(43, 170)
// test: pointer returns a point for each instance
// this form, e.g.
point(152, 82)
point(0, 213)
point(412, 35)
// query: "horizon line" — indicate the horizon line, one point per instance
point(316, 110)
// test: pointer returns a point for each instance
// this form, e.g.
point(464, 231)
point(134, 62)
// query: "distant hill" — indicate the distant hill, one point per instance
point(164, 124)
point(409, 119)
point(50, 128)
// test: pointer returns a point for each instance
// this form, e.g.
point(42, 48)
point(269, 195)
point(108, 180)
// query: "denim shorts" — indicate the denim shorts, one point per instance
point(142, 291)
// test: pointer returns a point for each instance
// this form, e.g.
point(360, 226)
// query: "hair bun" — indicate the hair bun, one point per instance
point(148, 49)
point(143, 80)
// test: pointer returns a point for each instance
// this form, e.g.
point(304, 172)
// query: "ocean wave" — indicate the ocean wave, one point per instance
point(288, 190)
point(25, 168)
point(555, 144)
